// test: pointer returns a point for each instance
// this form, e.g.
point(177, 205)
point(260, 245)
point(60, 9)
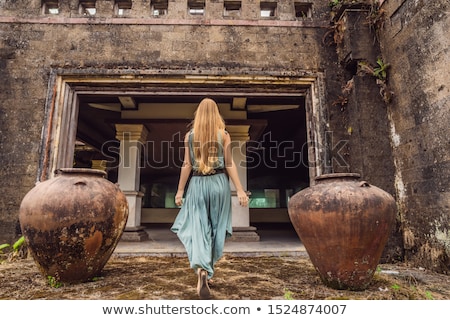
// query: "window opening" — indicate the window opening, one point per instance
point(87, 7)
point(50, 7)
point(122, 7)
point(232, 8)
point(196, 7)
point(268, 9)
point(303, 10)
point(159, 7)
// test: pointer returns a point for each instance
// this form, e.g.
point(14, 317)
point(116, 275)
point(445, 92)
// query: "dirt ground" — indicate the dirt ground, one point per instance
point(236, 278)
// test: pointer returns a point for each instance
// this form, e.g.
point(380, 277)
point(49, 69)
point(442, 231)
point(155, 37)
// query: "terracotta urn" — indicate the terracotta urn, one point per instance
point(72, 223)
point(344, 224)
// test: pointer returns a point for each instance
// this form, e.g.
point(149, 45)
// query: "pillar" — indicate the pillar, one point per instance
point(132, 139)
point(242, 231)
point(98, 164)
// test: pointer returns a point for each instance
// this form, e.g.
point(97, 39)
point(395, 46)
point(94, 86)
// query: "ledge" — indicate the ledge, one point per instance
point(153, 21)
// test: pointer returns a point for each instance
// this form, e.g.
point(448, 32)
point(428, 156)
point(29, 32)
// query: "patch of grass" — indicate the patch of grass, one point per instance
point(288, 294)
point(395, 287)
point(53, 282)
point(10, 252)
point(429, 295)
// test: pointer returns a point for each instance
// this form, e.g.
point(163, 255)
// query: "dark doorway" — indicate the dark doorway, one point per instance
point(277, 163)
point(276, 152)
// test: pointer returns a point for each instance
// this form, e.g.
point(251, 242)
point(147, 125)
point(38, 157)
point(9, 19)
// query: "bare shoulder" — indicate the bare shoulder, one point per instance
point(186, 136)
point(226, 136)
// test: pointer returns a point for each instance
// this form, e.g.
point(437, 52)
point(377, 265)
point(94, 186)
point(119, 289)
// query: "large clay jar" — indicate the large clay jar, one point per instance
point(72, 223)
point(344, 224)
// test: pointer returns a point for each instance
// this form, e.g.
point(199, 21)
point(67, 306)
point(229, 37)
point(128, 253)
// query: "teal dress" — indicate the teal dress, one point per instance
point(204, 220)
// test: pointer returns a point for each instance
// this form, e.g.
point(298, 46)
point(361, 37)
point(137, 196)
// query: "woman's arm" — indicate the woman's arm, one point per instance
point(185, 172)
point(232, 170)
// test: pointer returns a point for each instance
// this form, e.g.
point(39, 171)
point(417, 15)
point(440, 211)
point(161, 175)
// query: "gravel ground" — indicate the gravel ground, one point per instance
point(236, 278)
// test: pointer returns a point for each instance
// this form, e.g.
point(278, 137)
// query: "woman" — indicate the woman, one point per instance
point(204, 220)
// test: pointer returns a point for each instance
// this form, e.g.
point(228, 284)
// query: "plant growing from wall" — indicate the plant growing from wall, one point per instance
point(336, 30)
point(338, 5)
point(335, 3)
point(380, 72)
point(376, 16)
point(376, 19)
point(342, 100)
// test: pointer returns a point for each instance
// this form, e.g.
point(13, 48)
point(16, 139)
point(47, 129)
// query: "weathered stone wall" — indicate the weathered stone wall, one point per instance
point(416, 44)
point(358, 112)
point(23, 88)
point(414, 122)
point(33, 44)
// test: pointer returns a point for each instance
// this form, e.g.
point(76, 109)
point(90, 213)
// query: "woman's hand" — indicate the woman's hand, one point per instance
point(243, 198)
point(179, 198)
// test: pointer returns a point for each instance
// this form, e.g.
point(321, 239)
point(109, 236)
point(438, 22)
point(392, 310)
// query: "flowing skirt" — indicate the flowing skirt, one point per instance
point(204, 220)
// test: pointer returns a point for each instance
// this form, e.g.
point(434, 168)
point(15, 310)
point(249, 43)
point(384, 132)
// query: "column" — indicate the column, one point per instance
point(132, 139)
point(99, 164)
point(242, 231)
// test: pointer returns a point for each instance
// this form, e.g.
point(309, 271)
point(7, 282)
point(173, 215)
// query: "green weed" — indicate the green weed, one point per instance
point(53, 282)
point(3, 246)
point(395, 287)
point(10, 252)
point(288, 294)
point(380, 71)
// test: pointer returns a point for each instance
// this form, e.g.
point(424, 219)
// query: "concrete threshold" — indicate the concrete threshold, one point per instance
point(163, 242)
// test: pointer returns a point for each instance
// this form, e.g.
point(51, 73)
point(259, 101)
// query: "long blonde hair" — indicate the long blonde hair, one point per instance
point(207, 124)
